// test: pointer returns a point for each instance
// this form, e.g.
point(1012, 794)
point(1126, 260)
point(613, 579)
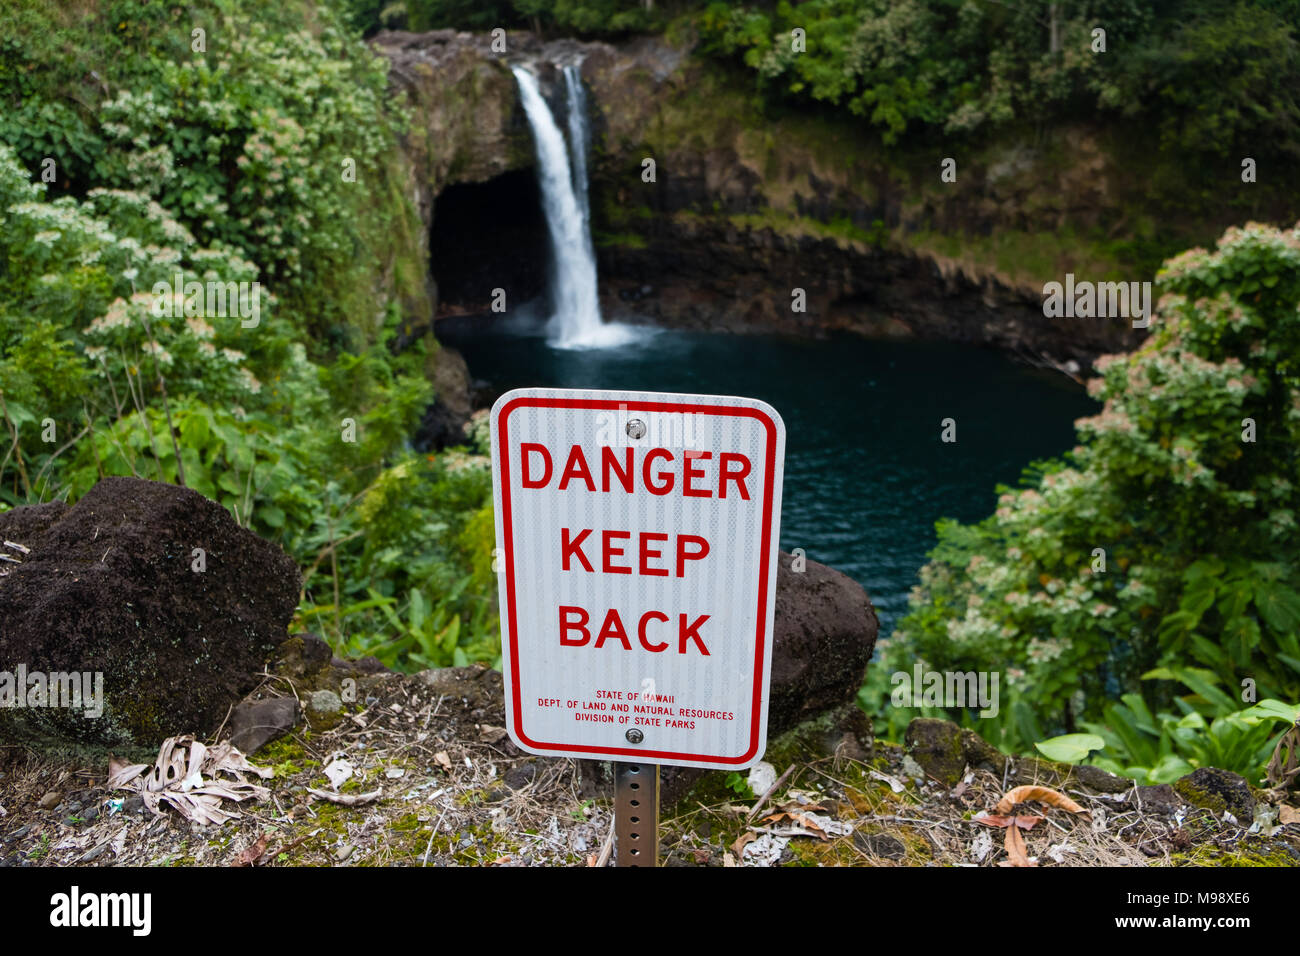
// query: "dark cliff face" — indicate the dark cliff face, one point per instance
point(745, 209)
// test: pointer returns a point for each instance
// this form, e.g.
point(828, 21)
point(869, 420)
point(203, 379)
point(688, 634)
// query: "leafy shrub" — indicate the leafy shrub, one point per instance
point(1207, 74)
point(1196, 526)
point(1209, 730)
point(227, 166)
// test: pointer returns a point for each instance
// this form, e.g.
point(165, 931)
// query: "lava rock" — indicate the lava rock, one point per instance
point(937, 746)
point(255, 723)
point(520, 775)
point(362, 665)
point(1102, 781)
point(443, 424)
point(480, 691)
point(825, 630)
point(303, 656)
point(1218, 790)
point(880, 845)
point(1161, 797)
point(108, 588)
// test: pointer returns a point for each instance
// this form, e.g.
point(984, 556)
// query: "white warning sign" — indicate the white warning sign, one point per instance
point(637, 534)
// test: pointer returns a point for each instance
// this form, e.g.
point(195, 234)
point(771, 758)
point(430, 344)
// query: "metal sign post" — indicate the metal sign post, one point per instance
point(636, 814)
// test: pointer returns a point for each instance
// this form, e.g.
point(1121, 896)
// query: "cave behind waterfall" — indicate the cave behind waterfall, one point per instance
point(487, 236)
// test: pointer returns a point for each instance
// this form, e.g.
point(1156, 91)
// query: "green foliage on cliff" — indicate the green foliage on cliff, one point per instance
point(1212, 76)
point(138, 158)
point(1166, 538)
point(1218, 77)
point(588, 17)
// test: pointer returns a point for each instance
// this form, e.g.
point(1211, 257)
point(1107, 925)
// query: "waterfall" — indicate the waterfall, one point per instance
point(576, 103)
point(575, 320)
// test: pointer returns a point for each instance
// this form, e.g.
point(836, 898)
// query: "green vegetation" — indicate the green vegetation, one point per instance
point(144, 147)
point(591, 17)
point(1129, 590)
point(1211, 730)
point(1214, 76)
point(1165, 539)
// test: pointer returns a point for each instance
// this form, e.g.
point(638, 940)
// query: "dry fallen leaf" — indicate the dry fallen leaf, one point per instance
point(120, 773)
point(442, 760)
point(1015, 847)
point(188, 776)
point(1024, 821)
point(347, 799)
point(738, 847)
point(1042, 795)
point(251, 854)
point(1288, 815)
point(491, 735)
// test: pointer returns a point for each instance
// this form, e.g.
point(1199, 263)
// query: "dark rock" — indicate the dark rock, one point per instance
point(1094, 778)
point(108, 589)
point(303, 656)
point(361, 665)
point(133, 804)
point(93, 853)
point(980, 754)
point(825, 630)
point(1161, 797)
point(879, 844)
point(944, 751)
point(479, 690)
point(938, 747)
point(255, 723)
point(520, 775)
point(444, 421)
point(1218, 790)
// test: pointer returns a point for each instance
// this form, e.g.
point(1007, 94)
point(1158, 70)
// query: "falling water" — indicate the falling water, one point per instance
point(575, 321)
point(576, 103)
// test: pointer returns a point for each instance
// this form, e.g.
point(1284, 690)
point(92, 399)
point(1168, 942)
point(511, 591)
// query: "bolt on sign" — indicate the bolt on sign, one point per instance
point(637, 535)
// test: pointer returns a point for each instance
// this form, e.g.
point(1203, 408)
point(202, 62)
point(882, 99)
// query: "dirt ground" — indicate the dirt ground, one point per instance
point(435, 781)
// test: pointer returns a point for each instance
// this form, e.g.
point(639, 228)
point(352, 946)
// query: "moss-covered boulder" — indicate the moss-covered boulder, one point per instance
point(1218, 791)
point(938, 747)
point(155, 588)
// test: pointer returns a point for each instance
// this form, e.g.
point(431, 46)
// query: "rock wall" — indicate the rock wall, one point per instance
point(746, 207)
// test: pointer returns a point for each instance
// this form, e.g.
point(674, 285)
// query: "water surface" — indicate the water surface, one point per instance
point(866, 473)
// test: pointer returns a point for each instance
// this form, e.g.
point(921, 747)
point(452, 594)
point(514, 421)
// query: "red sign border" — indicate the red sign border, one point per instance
point(537, 401)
